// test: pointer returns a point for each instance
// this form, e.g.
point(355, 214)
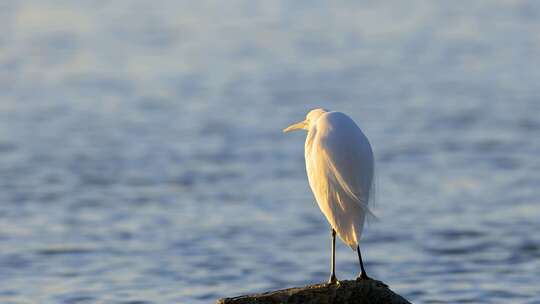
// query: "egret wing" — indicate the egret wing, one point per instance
point(346, 159)
point(345, 179)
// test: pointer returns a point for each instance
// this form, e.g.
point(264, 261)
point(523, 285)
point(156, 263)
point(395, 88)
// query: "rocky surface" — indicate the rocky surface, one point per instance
point(346, 292)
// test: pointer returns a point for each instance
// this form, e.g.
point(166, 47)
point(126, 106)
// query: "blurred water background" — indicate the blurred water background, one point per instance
point(142, 159)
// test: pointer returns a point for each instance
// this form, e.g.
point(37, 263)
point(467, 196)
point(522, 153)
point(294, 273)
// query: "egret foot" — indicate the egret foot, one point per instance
point(362, 276)
point(333, 280)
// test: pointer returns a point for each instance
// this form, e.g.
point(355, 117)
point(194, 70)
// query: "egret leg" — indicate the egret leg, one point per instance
point(363, 275)
point(333, 278)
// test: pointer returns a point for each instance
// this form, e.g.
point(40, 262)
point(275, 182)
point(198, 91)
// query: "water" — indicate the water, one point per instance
point(142, 159)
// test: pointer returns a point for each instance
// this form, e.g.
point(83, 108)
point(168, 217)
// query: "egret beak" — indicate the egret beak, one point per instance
point(296, 126)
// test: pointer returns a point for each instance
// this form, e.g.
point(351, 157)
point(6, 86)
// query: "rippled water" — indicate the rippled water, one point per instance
point(142, 159)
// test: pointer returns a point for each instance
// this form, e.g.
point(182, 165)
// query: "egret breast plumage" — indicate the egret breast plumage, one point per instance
point(340, 168)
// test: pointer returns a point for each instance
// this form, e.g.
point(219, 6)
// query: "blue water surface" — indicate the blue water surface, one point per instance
point(142, 159)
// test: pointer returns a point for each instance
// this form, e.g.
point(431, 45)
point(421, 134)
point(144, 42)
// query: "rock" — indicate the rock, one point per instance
point(346, 292)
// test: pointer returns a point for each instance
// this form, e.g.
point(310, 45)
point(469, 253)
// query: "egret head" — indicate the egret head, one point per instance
point(311, 119)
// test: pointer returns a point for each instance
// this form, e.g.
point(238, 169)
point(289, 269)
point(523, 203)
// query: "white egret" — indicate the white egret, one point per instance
point(339, 165)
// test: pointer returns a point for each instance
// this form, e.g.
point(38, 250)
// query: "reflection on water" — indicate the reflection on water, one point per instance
point(142, 160)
